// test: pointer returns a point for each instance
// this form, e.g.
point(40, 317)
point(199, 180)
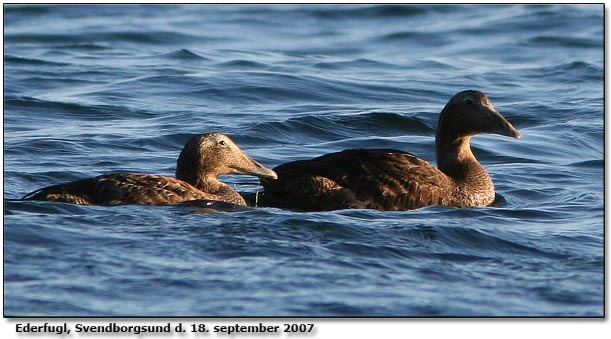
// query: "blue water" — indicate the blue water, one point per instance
point(95, 89)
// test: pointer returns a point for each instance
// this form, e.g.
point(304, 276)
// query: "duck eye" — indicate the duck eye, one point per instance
point(223, 143)
point(469, 102)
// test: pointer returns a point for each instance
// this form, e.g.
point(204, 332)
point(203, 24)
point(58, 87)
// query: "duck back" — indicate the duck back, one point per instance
point(122, 188)
point(383, 179)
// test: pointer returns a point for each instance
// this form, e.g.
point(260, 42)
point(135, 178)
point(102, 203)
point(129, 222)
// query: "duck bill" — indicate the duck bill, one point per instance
point(261, 171)
point(249, 166)
point(500, 125)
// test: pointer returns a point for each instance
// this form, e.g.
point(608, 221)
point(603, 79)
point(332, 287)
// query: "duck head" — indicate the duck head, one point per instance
point(212, 154)
point(469, 113)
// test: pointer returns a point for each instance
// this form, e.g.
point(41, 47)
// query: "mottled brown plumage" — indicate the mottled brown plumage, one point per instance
point(203, 158)
point(386, 179)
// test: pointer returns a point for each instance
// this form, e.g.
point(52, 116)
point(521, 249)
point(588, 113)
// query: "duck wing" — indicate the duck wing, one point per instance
point(122, 188)
point(383, 179)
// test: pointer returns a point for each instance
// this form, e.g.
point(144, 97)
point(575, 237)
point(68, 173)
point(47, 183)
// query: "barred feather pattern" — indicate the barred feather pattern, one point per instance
point(128, 188)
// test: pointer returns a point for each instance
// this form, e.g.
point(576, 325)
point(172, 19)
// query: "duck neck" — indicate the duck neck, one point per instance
point(210, 184)
point(456, 160)
point(192, 170)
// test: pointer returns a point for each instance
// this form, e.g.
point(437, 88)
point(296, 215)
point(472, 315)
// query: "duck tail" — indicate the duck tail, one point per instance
point(69, 193)
point(42, 193)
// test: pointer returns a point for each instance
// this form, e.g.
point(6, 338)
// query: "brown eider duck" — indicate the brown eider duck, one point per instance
point(203, 158)
point(386, 179)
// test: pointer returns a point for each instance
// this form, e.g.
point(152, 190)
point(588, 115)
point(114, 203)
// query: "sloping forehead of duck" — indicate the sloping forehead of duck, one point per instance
point(476, 98)
point(213, 139)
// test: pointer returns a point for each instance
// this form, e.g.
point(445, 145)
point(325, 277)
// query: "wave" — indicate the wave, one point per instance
point(73, 110)
point(12, 60)
point(124, 36)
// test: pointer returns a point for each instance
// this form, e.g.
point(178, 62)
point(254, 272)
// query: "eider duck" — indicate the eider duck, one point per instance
point(387, 179)
point(203, 158)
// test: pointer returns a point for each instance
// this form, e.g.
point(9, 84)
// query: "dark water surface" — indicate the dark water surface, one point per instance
point(95, 89)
